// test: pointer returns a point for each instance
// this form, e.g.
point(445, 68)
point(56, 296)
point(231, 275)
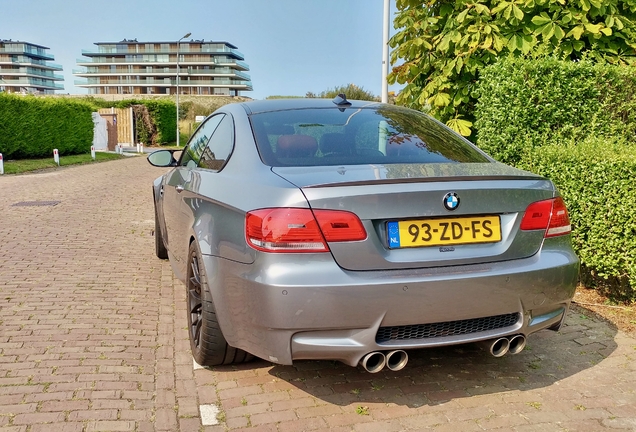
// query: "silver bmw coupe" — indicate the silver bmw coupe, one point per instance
point(355, 231)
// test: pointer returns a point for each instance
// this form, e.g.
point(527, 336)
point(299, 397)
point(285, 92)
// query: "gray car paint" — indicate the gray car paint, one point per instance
point(264, 305)
point(283, 307)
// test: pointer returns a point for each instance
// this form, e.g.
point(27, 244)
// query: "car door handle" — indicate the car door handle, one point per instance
point(179, 189)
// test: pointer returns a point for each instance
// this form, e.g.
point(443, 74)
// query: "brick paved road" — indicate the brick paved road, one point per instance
point(92, 338)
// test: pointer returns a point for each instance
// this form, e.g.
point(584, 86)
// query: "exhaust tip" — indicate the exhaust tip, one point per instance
point(500, 347)
point(496, 347)
point(373, 362)
point(396, 360)
point(517, 344)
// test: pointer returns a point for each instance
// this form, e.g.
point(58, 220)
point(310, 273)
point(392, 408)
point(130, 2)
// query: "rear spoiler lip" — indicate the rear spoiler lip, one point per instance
point(426, 180)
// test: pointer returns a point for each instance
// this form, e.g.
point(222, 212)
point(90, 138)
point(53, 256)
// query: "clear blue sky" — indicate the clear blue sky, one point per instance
point(291, 46)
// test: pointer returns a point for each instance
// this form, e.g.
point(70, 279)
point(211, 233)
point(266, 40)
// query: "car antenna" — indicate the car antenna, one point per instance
point(341, 101)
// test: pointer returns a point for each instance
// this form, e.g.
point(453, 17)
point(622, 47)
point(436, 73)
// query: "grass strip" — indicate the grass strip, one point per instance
point(26, 165)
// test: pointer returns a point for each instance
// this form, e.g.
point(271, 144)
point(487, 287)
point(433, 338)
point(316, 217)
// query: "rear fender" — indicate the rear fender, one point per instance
point(156, 185)
point(219, 230)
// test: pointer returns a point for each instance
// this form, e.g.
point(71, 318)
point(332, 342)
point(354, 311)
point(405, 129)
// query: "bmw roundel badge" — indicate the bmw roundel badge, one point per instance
point(451, 201)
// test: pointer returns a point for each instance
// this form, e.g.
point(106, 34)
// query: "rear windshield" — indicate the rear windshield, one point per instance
point(357, 136)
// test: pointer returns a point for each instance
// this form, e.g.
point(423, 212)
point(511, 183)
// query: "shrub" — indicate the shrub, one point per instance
point(32, 127)
point(352, 92)
point(596, 179)
point(164, 112)
point(309, 94)
point(524, 104)
point(575, 123)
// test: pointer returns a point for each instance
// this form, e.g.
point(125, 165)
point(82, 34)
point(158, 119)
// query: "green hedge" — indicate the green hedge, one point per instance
point(575, 123)
point(524, 104)
point(31, 127)
point(597, 181)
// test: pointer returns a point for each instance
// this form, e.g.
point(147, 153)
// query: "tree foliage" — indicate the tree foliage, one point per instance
point(444, 44)
point(352, 92)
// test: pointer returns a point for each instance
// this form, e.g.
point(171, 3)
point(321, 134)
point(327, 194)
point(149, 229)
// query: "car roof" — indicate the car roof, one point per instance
point(268, 105)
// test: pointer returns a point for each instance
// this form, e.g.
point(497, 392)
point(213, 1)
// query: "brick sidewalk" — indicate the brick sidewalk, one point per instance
point(93, 338)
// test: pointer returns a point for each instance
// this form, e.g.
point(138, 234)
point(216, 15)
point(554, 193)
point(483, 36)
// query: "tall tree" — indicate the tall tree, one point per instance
point(444, 43)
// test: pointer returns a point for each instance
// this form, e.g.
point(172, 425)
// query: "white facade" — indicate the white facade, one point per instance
point(132, 67)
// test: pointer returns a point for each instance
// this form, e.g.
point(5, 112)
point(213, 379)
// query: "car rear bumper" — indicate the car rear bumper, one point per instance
point(284, 308)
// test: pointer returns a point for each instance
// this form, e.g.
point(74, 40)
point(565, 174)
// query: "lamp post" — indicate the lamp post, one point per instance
point(385, 52)
point(177, 86)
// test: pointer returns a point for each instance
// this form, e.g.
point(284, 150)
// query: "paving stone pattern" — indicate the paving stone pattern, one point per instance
point(93, 338)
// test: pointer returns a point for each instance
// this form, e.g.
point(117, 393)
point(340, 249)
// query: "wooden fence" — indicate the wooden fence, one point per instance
point(125, 124)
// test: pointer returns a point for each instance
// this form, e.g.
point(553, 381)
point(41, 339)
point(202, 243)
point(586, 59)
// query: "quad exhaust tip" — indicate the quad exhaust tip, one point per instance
point(396, 360)
point(501, 346)
point(517, 344)
point(373, 362)
point(496, 347)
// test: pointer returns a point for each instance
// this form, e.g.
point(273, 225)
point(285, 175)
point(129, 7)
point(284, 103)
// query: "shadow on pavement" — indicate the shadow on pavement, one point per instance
point(436, 375)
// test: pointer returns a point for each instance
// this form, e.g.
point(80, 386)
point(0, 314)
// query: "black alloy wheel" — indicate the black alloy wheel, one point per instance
point(209, 347)
point(194, 301)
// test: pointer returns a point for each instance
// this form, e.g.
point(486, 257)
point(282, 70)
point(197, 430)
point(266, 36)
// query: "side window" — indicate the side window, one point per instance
point(219, 147)
point(192, 153)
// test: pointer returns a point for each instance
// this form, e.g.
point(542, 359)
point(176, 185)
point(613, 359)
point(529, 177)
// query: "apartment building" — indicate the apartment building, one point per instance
point(132, 67)
point(27, 68)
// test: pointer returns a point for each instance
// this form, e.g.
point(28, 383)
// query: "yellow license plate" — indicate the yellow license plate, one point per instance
point(444, 232)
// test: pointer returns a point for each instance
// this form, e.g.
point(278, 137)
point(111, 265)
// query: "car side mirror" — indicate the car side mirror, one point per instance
point(162, 158)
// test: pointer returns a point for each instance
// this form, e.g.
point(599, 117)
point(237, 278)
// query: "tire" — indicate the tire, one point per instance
point(209, 347)
point(160, 246)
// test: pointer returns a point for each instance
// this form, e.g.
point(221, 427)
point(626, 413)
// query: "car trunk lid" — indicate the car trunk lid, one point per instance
point(386, 197)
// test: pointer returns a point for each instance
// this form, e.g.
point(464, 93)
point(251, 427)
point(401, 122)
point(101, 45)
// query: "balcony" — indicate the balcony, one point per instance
point(20, 49)
point(32, 82)
point(239, 64)
point(145, 59)
point(24, 61)
point(25, 71)
point(164, 72)
point(141, 49)
point(165, 82)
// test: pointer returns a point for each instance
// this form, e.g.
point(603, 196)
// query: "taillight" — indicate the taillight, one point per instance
point(340, 226)
point(298, 230)
point(550, 215)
